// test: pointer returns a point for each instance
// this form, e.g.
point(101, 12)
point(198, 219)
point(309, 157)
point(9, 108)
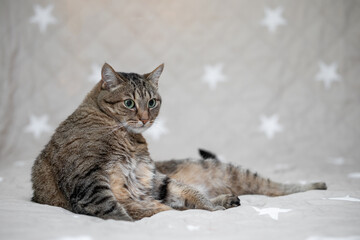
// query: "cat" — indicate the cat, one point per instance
point(97, 162)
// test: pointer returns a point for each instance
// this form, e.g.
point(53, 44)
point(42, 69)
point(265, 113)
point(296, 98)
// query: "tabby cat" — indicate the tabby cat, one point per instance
point(97, 162)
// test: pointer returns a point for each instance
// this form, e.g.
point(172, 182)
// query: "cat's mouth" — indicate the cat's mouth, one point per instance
point(138, 127)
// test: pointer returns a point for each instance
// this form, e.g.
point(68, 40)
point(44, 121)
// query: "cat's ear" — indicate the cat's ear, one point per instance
point(155, 75)
point(109, 77)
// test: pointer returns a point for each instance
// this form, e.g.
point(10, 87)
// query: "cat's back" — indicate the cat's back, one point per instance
point(83, 130)
point(83, 127)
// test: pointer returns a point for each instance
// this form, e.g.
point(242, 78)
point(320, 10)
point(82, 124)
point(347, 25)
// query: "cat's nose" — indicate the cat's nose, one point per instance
point(144, 121)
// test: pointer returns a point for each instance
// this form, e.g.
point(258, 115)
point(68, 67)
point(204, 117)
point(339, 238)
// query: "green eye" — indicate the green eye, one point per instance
point(152, 103)
point(129, 103)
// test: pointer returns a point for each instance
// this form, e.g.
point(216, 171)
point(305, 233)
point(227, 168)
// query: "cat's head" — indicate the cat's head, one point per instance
point(131, 99)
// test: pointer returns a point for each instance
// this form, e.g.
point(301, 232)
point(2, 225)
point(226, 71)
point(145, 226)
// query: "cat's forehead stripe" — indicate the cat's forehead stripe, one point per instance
point(141, 89)
point(147, 94)
point(138, 94)
point(134, 79)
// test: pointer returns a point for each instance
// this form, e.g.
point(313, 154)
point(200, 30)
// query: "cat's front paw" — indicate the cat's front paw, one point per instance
point(232, 201)
point(227, 201)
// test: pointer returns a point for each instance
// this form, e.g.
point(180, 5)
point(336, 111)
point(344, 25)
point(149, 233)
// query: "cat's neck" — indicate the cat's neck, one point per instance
point(91, 101)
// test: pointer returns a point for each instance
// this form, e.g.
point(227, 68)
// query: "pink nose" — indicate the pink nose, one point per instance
point(144, 121)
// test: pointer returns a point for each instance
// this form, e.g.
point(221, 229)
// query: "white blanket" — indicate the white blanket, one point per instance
point(314, 215)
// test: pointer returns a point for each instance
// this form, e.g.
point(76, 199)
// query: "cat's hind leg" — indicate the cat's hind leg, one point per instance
point(181, 196)
point(147, 208)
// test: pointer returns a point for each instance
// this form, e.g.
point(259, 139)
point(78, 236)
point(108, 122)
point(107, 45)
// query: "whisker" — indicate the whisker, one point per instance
point(117, 128)
point(155, 121)
point(112, 129)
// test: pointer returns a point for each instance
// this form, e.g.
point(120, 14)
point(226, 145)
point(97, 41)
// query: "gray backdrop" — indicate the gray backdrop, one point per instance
point(263, 71)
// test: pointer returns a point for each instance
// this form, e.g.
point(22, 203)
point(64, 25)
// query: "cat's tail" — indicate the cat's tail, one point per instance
point(213, 178)
point(243, 181)
point(246, 182)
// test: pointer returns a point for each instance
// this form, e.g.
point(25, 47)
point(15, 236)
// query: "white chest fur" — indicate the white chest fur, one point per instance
point(138, 177)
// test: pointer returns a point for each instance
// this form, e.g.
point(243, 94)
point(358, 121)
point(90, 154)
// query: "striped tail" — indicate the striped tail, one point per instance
point(245, 182)
point(254, 184)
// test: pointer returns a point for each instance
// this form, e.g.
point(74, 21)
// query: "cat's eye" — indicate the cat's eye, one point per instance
point(129, 103)
point(152, 103)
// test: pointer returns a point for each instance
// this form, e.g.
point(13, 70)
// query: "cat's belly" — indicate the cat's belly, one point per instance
point(132, 181)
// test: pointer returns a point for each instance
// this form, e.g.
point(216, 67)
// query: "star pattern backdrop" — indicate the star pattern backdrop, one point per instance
point(270, 85)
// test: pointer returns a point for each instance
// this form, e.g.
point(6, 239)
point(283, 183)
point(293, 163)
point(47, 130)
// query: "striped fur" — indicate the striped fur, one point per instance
point(97, 162)
point(214, 178)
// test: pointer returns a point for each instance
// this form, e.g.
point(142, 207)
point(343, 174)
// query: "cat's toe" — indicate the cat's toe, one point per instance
point(236, 202)
point(232, 201)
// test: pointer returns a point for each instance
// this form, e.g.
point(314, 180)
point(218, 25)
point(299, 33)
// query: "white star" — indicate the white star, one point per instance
point(19, 163)
point(76, 238)
point(273, 18)
point(337, 161)
point(43, 17)
point(270, 125)
point(157, 129)
point(222, 158)
point(213, 75)
point(1, 179)
point(95, 75)
point(333, 238)
point(346, 198)
point(354, 175)
point(192, 228)
point(38, 125)
point(302, 182)
point(272, 212)
point(327, 74)
point(282, 167)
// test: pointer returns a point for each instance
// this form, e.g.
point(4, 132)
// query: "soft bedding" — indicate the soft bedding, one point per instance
point(313, 215)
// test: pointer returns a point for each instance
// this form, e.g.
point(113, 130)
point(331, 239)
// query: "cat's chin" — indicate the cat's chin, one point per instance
point(136, 129)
